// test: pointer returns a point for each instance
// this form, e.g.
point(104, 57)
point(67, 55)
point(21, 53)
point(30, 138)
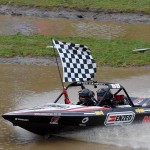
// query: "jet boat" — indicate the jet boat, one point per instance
point(55, 117)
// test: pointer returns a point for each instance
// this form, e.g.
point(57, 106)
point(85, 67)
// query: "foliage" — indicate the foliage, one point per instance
point(108, 5)
point(116, 52)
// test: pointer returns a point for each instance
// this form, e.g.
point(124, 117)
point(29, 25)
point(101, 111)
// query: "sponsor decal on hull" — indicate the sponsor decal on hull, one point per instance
point(54, 120)
point(20, 119)
point(99, 113)
point(47, 114)
point(58, 106)
point(139, 110)
point(146, 119)
point(119, 118)
point(138, 100)
point(85, 120)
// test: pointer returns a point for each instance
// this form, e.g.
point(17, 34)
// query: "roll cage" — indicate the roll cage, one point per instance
point(110, 86)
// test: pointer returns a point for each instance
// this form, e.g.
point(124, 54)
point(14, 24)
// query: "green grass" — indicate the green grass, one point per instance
point(117, 52)
point(108, 5)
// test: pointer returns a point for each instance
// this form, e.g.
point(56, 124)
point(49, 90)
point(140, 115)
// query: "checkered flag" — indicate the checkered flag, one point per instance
point(78, 64)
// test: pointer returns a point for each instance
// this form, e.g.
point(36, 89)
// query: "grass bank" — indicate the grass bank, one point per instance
point(117, 52)
point(107, 5)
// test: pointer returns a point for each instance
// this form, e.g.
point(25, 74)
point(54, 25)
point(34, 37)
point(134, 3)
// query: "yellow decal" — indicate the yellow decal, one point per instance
point(99, 113)
point(139, 110)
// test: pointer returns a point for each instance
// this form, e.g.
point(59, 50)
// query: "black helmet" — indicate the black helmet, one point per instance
point(85, 97)
point(101, 92)
point(86, 93)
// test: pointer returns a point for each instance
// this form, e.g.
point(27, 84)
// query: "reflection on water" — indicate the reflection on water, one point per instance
point(26, 86)
point(85, 28)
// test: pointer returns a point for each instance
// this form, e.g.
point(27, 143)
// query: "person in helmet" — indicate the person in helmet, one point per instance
point(107, 95)
point(86, 97)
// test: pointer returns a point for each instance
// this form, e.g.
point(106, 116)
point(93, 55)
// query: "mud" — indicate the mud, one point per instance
point(41, 61)
point(44, 61)
point(74, 14)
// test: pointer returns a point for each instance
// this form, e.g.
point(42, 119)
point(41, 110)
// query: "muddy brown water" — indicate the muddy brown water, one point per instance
point(28, 85)
point(64, 27)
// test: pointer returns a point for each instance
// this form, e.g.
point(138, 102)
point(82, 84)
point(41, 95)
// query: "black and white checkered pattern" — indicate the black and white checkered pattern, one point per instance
point(78, 64)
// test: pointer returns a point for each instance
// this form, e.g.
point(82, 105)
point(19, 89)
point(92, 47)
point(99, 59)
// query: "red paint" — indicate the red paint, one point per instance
point(146, 119)
point(66, 97)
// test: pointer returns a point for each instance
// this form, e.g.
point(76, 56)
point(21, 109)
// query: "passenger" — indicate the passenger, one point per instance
point(86, 97)
point(108, 97)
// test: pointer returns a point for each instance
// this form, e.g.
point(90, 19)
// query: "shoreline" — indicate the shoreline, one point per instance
point(75, 14)
point(40, 61)
point(48, 61)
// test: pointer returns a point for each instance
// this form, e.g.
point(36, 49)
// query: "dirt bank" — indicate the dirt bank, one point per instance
point(44, 61)
point(66, 13)
point(41, 61)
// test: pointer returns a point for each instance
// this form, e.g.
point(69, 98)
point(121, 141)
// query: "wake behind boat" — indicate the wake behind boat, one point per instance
point(97, 103)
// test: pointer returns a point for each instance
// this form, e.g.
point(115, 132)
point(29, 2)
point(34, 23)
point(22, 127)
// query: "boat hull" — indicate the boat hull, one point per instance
point(43, 125)
point(44, 122)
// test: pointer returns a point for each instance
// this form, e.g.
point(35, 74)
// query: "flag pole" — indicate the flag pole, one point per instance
point(58, 66)
point(66, 98)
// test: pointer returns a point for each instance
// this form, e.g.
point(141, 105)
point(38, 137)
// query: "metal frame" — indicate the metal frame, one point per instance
point(95, 84)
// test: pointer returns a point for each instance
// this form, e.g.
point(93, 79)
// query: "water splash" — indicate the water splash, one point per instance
point(133, 136)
